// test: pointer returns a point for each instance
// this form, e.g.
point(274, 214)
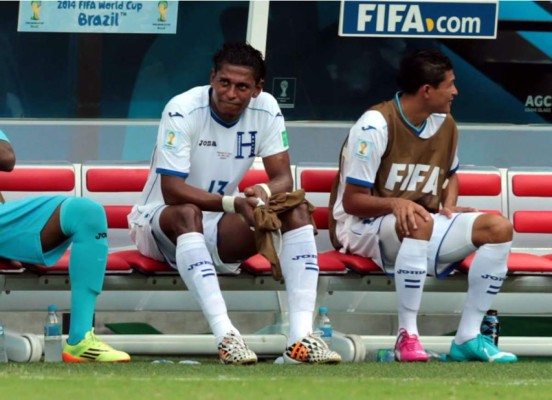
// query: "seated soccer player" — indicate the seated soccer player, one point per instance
point(396, 203)
point(38, 230)
point(191, 216)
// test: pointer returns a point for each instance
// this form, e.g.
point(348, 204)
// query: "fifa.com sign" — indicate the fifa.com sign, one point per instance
point(423, 19)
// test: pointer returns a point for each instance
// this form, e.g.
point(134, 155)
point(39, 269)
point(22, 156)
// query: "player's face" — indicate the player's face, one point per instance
point(442, 96)
point(233, 87)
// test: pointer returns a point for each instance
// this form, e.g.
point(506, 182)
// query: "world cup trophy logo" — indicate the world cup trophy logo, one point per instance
point(35, 5)
point(163, 6)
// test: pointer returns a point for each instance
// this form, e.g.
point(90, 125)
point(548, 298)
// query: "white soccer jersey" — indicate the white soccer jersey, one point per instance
point(367, 143)
point(193, 143)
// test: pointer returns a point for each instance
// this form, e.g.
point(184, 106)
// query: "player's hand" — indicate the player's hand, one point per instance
point(405, 212)
point(448, 211)
point(256, 191)
point(245, 206)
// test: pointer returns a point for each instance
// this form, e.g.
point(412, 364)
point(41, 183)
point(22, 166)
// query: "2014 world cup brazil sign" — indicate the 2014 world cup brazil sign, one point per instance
point(422, 19)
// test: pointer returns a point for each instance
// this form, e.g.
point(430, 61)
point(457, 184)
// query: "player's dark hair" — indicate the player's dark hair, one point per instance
point(241, 53)
point(422, 67)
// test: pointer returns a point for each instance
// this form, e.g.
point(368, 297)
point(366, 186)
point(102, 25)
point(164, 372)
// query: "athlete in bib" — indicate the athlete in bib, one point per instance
point(396, 203)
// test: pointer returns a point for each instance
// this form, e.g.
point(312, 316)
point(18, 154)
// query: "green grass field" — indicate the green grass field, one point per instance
point(141, 379)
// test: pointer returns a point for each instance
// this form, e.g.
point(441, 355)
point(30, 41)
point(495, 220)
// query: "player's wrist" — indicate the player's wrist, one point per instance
point(266, 189)
point(228, 204)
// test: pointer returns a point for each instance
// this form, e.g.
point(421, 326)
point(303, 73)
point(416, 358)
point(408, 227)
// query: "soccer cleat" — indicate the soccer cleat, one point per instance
point(481, 348)
point(233, 350)
point(92, 349)
point(310, 350)
point(408, 348)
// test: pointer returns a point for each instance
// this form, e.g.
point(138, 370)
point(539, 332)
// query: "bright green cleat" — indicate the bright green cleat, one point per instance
point(92, 349)
point(481, 348)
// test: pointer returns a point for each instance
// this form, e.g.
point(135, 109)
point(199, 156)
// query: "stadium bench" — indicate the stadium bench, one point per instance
point(530, 210)
point(117, 185)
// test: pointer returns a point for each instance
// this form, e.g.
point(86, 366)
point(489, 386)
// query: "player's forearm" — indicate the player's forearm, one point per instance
point(450, 192)
point(177, 192)
point(278, 170)
point(280, 184)
point(365, 205)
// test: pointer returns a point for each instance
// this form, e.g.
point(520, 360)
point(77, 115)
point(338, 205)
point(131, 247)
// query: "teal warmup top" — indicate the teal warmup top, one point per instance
point(21, 222)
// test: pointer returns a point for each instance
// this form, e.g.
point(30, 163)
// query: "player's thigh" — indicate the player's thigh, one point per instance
point(361, 237)
point(389, 240)
point(235, 239)
point(451, 241)
point(21, 223)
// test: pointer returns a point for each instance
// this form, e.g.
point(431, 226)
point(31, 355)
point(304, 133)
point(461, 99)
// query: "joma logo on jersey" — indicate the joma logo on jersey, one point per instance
point(407, 18)
point(410, 176)
point(244, 146)
point(208, 143)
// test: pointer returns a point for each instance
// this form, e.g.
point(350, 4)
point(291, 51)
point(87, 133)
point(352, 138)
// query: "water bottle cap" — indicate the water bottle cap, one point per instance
point(52, 307)
point(323, 309)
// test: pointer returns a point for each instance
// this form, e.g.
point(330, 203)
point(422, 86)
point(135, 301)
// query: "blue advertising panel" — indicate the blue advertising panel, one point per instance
point(422, 19)
point(98, 16)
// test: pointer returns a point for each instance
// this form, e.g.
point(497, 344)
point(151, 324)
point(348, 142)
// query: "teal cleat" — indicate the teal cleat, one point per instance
point(481, 348)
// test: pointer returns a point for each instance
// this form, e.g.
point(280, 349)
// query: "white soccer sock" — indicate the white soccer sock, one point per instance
point(410, 275)
point(486, 275)
point(300, 271)
point(196, 268)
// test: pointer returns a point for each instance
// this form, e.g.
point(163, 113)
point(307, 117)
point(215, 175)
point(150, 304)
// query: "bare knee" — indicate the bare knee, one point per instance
point(490, 228)
point(423, 230)
point(181, 219)
point(295, 218)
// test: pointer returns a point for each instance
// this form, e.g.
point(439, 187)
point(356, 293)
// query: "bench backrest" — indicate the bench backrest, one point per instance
point(117, 187)
point(530, 209)
point(317, 183)
point(482, 188)
point(37, 179)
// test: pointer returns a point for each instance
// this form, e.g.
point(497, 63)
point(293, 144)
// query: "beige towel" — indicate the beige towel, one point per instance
point(267, 223)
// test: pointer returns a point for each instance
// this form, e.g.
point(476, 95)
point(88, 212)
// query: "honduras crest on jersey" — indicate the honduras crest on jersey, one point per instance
point(246, 144)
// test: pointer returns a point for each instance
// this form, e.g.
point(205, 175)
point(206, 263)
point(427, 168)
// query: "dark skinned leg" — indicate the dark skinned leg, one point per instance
point(236, 241)
point(52, 235)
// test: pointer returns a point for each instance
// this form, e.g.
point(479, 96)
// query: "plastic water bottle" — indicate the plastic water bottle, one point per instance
point(490, 326)
point(388, 355)
point(436, 356)
point(324, 325)
point(381, 355)
point(3, 349)
point(385, 355)
point(53, 346)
